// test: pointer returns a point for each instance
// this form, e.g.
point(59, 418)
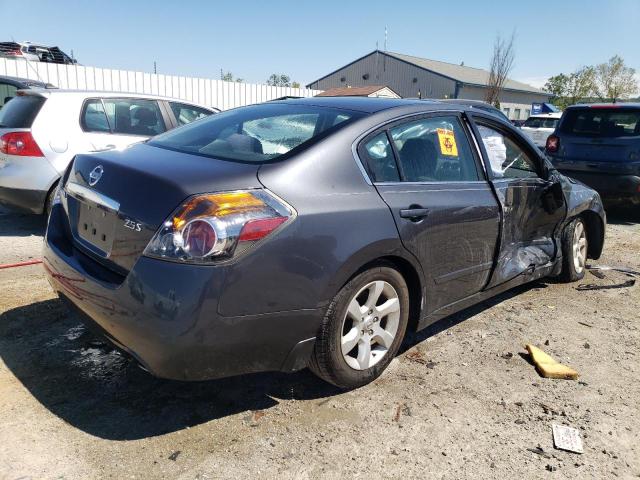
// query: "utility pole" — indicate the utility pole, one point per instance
point(385, 38)
point(155, 70)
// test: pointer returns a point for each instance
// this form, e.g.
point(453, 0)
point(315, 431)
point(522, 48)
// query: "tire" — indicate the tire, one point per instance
point(575, 246)
point(48, 204)
point(355, 318)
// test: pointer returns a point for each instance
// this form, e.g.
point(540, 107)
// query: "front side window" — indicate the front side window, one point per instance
point(187, 113)
point(541, 122)
point(258, 133)
point(506, 158)
point(434, 150)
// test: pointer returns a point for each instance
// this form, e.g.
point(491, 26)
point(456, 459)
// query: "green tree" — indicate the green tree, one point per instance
point(614, 80)
point(279, 80)
point(295, 84)
point(228, 77)
point(571, 89)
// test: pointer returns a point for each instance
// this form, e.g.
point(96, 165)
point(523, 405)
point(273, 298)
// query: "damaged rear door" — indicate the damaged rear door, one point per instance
point(532, 206)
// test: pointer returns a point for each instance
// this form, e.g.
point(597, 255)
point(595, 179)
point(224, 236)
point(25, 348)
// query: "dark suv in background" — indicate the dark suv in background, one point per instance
point(599, 145)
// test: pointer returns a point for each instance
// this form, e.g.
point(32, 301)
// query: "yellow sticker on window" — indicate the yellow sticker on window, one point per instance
point(447, 142)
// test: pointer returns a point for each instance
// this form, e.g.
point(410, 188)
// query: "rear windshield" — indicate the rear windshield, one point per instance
point(21, 111)
point(537, 122)
point(256, 134)
point(602, 122)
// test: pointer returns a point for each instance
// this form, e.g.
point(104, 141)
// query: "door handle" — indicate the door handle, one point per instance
point(414, 214)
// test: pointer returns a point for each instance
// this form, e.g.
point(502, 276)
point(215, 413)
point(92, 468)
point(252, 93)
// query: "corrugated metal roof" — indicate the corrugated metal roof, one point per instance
point(353, 91)
point(461, 73)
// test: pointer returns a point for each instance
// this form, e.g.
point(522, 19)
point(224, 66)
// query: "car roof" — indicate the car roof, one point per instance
point(104, 94)
point(22, 81)
point(634, 105)
point(359, 104)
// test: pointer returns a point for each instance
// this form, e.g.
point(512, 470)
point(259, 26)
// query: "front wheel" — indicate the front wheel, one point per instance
point(362, 329)
point(574, 251)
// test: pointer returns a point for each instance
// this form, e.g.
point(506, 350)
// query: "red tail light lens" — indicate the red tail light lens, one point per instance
point(553, 144)
point(21, 144)
point(213, 227)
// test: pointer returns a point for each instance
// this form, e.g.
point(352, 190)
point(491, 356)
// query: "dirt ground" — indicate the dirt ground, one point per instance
point(460, 401)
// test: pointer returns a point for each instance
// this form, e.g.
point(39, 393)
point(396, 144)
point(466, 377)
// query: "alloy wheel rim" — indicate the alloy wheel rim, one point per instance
point(370, 325)
point(579, 247)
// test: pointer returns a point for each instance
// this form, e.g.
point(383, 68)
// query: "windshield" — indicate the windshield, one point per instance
point(256, 134)
point(541, 122)
point(602, 122)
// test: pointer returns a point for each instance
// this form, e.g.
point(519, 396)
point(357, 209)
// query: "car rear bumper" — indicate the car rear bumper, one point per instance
point(25, 182)
point(23, 201)
point(165, 314)
point(611, 187)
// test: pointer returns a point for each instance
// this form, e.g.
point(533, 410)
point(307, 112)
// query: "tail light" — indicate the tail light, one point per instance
point(214, 227)
point(14, 53)
point(553, 144)
point(21, 144)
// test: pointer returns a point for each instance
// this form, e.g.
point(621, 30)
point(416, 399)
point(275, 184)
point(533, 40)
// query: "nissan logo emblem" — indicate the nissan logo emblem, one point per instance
point(95, 175)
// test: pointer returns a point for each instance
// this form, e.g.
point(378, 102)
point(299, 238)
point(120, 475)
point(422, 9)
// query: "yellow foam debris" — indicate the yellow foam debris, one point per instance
point(548, 367)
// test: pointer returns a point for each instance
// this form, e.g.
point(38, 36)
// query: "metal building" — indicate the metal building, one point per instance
point(413, 77)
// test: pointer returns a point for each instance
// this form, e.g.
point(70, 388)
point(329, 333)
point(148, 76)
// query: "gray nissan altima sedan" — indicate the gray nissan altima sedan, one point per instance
point(309, 232)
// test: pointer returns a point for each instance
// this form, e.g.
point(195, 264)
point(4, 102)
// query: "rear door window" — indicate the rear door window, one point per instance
point(187, 113)
point(124, 116)
point(21, 111)
point(602, 122)
point(434, 149)
point(94, 117)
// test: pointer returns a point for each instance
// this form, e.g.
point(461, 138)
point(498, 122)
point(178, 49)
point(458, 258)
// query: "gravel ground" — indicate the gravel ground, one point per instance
point(460, 401)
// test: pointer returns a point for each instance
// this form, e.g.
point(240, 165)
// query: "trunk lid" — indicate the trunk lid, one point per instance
point(116, 201)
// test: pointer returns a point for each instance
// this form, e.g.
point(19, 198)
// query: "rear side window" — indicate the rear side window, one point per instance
point(21, 111)
point(379, 156)
point(602, 122)
point(258, 133)
point(7, 92)
point(130, 116)
point(187, 113)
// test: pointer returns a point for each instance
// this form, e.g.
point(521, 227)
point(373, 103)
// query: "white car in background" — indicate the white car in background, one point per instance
point(41, 130)
point(540, 126)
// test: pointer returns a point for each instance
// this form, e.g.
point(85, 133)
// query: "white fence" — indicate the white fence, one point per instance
point(204, 91)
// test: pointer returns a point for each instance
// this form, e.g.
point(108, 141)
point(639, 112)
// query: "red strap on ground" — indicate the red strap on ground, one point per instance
point(20, 264)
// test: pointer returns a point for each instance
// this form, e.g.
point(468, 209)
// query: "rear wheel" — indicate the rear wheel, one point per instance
point(48, 204)
point(574, 250)
point(363, 328)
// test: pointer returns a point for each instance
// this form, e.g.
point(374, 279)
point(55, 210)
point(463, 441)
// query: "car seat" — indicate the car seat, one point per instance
point(147, 122)
point(419, 158)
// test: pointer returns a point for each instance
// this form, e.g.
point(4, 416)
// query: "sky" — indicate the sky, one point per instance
point(305, 40)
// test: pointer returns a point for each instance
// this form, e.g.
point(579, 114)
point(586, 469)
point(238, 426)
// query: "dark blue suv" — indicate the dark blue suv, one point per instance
point(599, 145)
